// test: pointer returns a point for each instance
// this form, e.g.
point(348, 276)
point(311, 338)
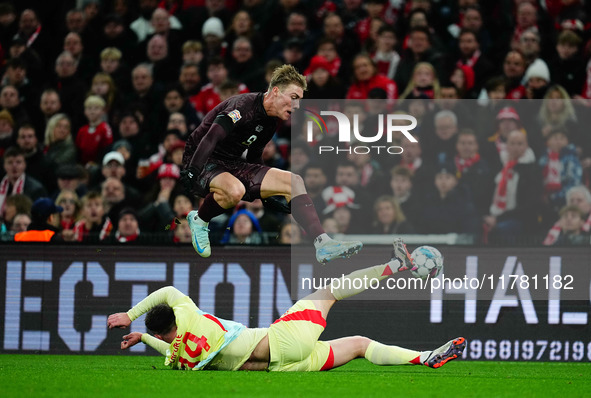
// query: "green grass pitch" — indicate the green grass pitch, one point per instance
point(136, 376)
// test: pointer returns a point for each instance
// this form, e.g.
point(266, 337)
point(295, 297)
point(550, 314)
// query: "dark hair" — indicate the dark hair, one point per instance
point(467, 131)
point(474, 7)
point(401, 171)
point(347, 163)
point(466, 31)
point(418, 11)
point(558, 130)
point(160, 319)
point(387, 28)
point(303, 146)
point(6, 8)
point(15, 63)
point(190, 65)
point(571, 209)
point(570, 38)
point(450, 86)
point(216, 60)
point(297, 12)
point(175, 132)
point(495, 82)
point(325, 40)
point(176, 87)
point(27, 126)
point(22, 203)
point(229, 85)
point(313, 164)
point(13, 152)
point(422, 29)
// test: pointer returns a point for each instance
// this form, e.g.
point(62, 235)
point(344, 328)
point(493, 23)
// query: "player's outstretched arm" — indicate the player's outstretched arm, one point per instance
point(118, 320)
point(131, 339)
point(134, 338)
point(169, 295)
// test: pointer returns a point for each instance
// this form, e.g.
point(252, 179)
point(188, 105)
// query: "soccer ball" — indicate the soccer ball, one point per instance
point(428, 260)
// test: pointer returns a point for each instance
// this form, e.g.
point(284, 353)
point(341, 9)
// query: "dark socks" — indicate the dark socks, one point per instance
point(209, 208)
point(304, 212)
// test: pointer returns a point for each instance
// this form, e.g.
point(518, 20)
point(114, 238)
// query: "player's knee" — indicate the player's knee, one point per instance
point(297, 185)
point(235, 193)
point(360, 344)
point(297, 181)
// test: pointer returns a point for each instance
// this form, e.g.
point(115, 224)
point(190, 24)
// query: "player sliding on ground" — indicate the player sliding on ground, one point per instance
point(193, 339)
point(215, 170)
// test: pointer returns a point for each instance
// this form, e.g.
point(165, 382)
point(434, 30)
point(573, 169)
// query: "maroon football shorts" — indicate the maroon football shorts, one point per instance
point(250, 175)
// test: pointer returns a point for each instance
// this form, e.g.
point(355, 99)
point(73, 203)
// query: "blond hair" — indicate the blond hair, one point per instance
point(411, 84)
point(192, 45)
point(94, 100)
point(102, 77)
point(77, 204)
point(51, 124)
point(285, 75)
point(560, 119)
point(111, 53)
point(399, 217)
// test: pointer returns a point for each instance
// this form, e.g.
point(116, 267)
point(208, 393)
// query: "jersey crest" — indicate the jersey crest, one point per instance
point(235, 115)
point(258, 128)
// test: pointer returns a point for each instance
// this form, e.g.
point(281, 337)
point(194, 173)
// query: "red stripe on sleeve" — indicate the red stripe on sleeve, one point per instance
point(313, 316)
point(213, 318)
point(329, 361)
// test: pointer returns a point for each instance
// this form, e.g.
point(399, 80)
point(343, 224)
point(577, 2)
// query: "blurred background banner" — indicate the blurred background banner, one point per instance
point(56, 299)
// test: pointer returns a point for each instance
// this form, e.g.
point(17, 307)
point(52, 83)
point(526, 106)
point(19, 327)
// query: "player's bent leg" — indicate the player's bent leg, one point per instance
point(360, 280)
point(291, 186)
point(346, 349)
point(294, 336)
point(281, 182)
point(226, 191)
point(324, 298)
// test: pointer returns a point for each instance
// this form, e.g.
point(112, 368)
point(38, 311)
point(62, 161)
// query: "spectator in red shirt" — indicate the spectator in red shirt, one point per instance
point(94, 138)
point(327, 48)
point(386, 57)
point(375, 9)
point(366, 78)
point(209, 96)
point(513, 69)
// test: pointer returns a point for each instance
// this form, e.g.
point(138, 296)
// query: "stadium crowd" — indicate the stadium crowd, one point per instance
point(98, 96)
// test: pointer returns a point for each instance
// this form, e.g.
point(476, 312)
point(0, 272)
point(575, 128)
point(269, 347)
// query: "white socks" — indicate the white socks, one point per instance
point(321, 240)
point(381, 354)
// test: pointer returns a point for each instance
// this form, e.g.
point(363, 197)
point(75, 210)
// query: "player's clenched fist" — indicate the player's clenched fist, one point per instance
point(118, 320)
point(130, 340)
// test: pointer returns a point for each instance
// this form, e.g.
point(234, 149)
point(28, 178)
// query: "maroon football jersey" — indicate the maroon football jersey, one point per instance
point(252, 128)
